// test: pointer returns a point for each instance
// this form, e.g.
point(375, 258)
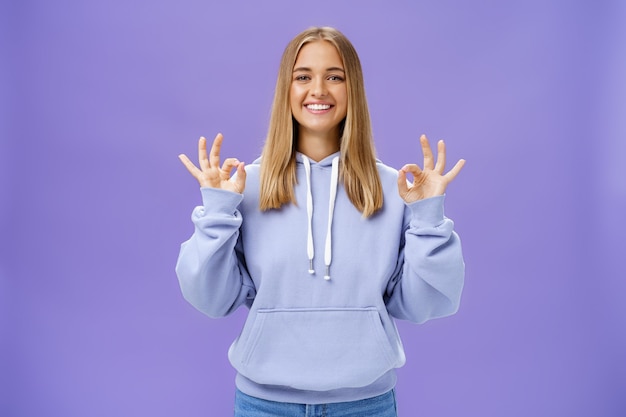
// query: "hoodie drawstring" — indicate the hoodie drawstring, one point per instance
point(309, 212)
point(334, 179)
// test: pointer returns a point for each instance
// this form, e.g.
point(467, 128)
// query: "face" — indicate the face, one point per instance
point(318, 94)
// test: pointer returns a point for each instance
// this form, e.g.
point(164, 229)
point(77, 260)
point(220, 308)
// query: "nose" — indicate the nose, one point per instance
point(319, 88)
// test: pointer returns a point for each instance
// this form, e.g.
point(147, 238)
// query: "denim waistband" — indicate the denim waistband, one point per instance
point(379, 406)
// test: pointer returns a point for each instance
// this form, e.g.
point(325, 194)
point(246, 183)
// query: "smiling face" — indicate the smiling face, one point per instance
point(318, 93)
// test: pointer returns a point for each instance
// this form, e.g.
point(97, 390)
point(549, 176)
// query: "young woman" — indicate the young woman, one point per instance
point(326, 247)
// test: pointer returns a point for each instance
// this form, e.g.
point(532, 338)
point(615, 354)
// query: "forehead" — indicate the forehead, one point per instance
point(318, 54)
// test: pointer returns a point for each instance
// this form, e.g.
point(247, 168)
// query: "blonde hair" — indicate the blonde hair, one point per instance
point(358, 156)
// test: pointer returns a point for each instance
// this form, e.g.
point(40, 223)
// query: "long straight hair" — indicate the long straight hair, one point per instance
point(358, 170)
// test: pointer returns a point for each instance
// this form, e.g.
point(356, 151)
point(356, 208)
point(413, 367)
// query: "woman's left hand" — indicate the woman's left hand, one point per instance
point(430, 181)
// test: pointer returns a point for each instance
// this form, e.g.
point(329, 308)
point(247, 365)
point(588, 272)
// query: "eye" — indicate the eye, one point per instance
point(336, 78)
point(302, 77)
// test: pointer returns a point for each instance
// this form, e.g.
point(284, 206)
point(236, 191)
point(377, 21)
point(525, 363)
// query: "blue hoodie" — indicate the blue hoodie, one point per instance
point(322, 283)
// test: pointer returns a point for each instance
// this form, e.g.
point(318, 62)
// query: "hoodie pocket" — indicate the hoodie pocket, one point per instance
point(315, 349)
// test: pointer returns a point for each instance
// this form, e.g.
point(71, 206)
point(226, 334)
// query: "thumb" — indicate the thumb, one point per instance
point(240, 178)
point(402, 182)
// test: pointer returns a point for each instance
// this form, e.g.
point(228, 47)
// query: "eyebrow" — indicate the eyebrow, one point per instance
point(306, 69)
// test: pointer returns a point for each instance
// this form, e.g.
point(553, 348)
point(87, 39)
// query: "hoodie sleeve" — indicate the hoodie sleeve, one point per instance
point(430, 273)
point(211, 268)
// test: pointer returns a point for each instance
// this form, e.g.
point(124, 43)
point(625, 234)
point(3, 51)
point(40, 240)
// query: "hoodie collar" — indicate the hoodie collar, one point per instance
point(326, 162)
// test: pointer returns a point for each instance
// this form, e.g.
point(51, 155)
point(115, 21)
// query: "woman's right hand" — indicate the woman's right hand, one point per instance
point(210, 174)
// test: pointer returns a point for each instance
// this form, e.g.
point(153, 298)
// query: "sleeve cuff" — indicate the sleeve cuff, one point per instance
point(427, 212)
point(215, 200)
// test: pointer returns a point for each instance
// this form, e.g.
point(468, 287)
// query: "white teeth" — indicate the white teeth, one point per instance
point(318, 106)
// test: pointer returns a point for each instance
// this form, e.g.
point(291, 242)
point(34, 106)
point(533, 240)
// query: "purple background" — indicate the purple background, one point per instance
point(99, 98)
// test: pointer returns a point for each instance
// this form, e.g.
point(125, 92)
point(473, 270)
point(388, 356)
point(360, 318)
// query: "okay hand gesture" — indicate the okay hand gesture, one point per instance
point(430, 181)
point(210, 174)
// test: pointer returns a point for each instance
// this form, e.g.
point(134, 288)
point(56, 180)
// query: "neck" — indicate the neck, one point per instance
point(318, 147)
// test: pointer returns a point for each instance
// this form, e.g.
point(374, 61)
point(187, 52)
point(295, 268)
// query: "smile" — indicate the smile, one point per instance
point(318, 106)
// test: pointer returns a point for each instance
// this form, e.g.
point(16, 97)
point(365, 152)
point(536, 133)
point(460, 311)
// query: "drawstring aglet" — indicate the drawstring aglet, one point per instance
point(311, 270)
point(327, 276)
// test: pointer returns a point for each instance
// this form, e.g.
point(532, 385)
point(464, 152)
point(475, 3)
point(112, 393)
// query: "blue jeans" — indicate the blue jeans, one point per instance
point(381, 406)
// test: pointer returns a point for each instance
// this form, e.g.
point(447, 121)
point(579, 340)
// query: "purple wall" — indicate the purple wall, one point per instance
point(99, 98)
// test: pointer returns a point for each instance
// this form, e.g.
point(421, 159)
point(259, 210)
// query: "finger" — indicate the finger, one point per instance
point(202, 156)
point(240, 179)
point(441, 157)
point(412, 169)
point(455, 170)
point(429, 161)
point(214, 157)
point(227, 167)
point(193, 170)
